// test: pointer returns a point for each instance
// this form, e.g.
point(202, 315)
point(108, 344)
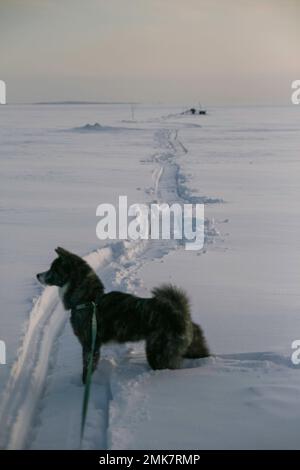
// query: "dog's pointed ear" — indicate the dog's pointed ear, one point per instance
point(62, 252)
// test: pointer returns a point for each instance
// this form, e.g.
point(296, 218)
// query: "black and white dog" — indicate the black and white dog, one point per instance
point(163, 321)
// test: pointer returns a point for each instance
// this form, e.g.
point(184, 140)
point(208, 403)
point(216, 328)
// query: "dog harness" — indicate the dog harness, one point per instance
point(86, 305)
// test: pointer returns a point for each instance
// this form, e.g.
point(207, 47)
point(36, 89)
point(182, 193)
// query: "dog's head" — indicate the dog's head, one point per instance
point(61, 269)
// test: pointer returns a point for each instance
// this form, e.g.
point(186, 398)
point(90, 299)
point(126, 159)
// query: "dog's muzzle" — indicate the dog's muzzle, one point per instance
point(42, 278)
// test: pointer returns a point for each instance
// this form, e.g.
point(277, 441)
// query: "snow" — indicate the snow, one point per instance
point(243, 163)
point(240, 401)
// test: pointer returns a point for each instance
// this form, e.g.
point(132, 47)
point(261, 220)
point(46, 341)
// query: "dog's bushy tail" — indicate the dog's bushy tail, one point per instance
point(171, 327)
point(175, 297)
point(173, 315)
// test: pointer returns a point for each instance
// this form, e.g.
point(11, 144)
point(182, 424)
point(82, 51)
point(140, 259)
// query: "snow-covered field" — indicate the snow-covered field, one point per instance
point(244, 164)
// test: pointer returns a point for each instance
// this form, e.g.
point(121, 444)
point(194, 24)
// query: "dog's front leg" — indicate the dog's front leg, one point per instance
point(86, 358)
point(96, 358)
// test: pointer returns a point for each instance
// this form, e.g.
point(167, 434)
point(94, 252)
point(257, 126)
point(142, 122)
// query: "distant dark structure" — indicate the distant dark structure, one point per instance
point(89, 127)
point(201, 111)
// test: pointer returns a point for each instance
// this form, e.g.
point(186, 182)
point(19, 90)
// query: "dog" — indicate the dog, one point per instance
point(163, 321)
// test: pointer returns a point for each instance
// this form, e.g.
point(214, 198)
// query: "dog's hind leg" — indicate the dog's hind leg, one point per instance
point(198, 347)
point(164, 351)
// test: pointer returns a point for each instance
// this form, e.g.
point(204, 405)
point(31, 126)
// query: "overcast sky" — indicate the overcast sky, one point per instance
point(179, 51)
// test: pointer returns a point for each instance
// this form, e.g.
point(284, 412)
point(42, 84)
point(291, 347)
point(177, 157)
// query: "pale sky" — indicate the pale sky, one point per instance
point(177, 51)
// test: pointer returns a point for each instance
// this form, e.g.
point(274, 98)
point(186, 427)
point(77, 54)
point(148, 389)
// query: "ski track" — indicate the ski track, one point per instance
point(26, 391)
